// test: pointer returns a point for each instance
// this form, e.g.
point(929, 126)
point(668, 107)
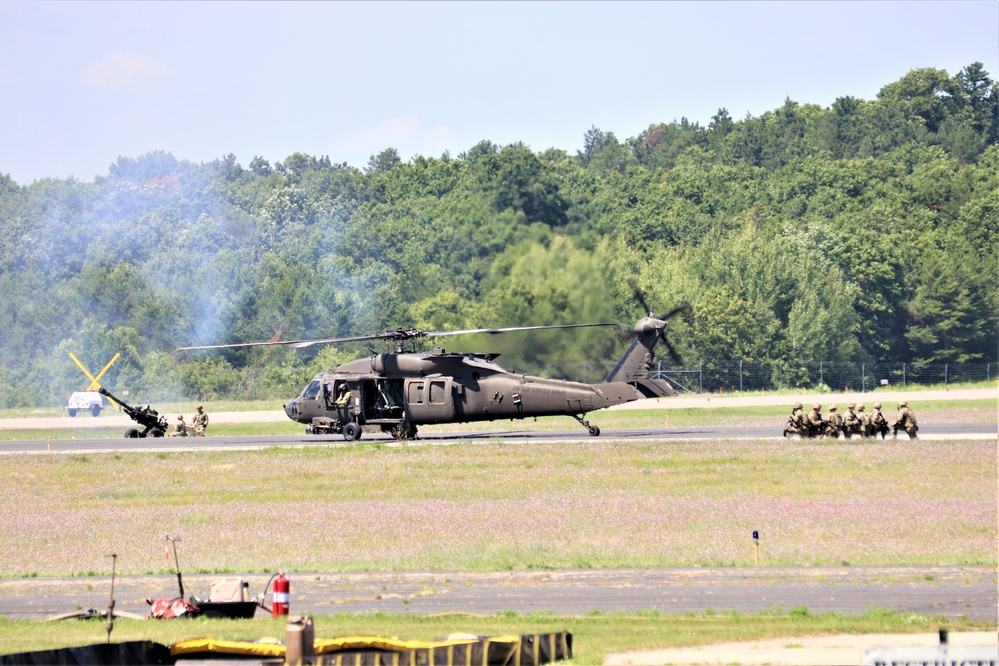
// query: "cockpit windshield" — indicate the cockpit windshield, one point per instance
point(311, 391)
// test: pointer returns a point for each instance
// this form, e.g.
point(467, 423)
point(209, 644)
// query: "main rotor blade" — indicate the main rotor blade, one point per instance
point(397, 334)
point(494, 331)
point(683, 307)
point(389, 335)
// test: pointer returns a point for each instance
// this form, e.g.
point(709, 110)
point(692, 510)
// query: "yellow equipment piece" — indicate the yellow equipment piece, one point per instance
point(95, 381)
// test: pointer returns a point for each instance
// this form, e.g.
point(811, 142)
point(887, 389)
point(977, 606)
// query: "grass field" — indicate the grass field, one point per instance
point(594, 635)
point(495, 505)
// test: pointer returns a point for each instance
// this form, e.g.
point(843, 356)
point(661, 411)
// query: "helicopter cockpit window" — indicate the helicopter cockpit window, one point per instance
point(311, 391)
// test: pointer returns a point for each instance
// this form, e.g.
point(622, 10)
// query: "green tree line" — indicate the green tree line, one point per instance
point(861, 231)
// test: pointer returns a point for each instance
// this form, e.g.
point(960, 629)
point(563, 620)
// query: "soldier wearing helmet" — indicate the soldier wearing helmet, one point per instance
point(200, 421)
point(865, 419)
point(851, 422)
point(796, 422)
point(834, 424)
point(878, 424)
point(179, 428)
point(816, 424)
point(906, 421)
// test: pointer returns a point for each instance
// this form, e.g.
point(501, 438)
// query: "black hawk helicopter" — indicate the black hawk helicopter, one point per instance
point(396, 392)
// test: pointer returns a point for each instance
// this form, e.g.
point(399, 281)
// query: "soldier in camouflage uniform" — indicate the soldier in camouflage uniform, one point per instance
point(834, 424)
point(796, 422)
point(878, 424)
point(851, 422)
point(200, 422)
point(179, 428)
point(816, 425)
point(906, 421)
point(865, 420)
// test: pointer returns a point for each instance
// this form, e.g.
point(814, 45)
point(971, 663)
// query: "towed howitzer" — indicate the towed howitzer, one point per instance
point(153, 425)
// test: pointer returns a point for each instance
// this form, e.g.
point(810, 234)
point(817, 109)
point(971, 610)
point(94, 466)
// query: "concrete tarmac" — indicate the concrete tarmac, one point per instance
point(932, 431)
point(947, 591)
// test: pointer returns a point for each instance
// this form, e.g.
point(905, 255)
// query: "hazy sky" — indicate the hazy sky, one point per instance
point(86, 82)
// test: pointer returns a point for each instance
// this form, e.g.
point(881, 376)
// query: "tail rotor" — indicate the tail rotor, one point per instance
point(659, 320)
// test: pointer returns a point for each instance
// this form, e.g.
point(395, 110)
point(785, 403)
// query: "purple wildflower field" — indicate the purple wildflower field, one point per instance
point(500, 506)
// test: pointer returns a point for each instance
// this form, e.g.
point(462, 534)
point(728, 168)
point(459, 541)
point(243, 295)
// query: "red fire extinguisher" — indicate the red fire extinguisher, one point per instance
point(282, 597)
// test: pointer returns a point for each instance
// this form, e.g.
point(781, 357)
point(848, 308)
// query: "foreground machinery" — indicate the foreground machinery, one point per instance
point(153, 425)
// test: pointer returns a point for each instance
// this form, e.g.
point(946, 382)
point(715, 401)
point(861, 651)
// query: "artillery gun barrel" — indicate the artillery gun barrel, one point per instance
point(107, 394)
point(147, 417)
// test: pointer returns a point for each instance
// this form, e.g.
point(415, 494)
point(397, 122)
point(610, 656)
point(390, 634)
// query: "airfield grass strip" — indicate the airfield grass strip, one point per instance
point(594, 635)
point(496, 506)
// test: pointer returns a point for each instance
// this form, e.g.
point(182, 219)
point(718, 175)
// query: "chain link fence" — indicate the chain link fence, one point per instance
point(725, 376)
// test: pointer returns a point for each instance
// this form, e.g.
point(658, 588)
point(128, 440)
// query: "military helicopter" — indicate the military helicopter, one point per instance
point(396, 392)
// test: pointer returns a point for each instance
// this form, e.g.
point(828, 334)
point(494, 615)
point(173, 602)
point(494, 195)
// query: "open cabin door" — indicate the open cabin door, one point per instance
point(381, 400)
point(429, 399)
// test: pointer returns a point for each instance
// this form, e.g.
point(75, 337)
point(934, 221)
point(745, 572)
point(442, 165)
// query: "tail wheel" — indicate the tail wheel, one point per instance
point(594, 431)
point(352, 432)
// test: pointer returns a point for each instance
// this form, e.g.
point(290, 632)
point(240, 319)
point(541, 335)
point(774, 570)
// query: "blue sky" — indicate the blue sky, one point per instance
point(84, 83)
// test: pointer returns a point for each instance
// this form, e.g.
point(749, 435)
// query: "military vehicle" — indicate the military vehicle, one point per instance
point(85, 401)
point(398, 391)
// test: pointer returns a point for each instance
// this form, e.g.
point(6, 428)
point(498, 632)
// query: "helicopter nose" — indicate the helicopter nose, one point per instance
point(291, 409)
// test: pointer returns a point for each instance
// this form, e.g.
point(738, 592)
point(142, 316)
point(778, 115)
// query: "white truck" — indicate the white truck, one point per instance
point(85, 401)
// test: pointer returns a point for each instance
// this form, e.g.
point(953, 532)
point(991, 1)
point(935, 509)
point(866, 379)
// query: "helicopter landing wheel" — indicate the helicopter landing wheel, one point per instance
point(352, 432)
point(592, 429)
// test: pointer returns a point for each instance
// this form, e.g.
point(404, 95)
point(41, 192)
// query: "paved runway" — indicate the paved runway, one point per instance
point(945, 591)
point(929, 432)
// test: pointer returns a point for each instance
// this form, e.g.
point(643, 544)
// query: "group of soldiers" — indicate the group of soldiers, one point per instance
point(197, 428)
point(854, 422)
